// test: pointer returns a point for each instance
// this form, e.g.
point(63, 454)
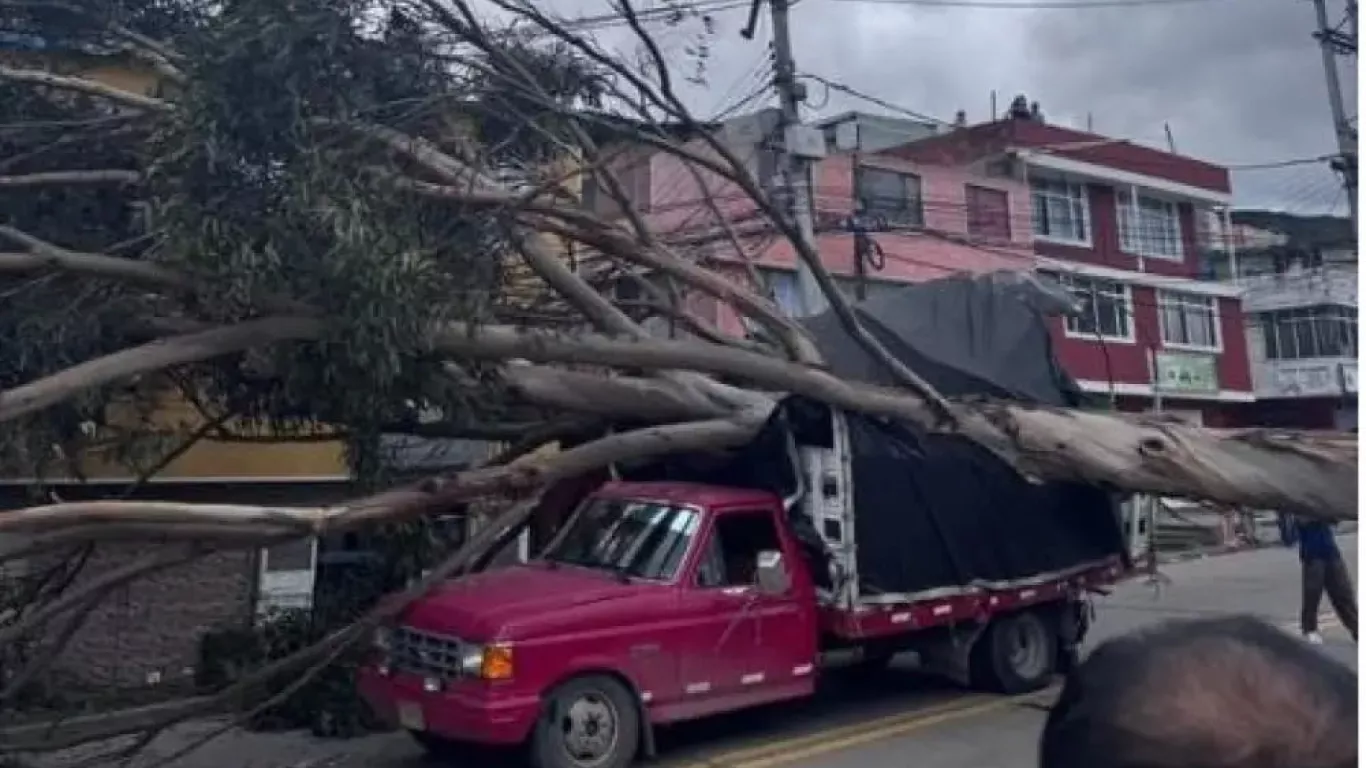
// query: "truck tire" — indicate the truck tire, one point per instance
point(589, 722)
point(1016, 653)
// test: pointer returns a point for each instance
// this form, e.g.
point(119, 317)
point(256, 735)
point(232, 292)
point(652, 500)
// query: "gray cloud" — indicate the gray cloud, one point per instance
point(1239, 81)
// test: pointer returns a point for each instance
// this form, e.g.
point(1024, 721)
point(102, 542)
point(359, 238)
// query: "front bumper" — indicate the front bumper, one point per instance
point(463, 713)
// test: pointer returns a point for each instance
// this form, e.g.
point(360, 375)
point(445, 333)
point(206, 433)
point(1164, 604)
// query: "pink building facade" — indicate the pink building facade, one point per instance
point(928, 220)
point(1121, 225)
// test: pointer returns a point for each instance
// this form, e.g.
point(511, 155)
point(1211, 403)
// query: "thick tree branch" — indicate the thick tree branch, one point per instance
point(588, 229)
point(1255, 469)
point(52, 178)
point(81, 85)
point(47, 256)
point(1038, 441)
point(154, 356)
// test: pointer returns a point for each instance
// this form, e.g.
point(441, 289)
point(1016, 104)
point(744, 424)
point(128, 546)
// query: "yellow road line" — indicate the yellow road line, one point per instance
point(883, 733)
point(783, 752)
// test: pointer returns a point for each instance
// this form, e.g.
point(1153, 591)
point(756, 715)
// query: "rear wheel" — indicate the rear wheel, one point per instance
point(1016, 653)
point(589, 722)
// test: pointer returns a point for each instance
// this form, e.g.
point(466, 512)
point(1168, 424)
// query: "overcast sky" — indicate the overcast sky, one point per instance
point(1238, 81)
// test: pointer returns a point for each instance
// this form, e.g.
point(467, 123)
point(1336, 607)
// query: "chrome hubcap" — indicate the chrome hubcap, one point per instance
point(590, 729)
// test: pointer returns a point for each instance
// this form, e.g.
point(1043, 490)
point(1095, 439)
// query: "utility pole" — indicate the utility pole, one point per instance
point(1334, 43)
point(798, 146)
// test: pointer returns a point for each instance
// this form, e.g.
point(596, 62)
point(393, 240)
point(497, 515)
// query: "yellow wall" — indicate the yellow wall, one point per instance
point(211, 459)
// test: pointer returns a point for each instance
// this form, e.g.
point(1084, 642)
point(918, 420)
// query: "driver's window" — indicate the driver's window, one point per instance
point(732, 550)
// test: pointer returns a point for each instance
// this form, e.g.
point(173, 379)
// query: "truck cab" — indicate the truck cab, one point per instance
point(656, 602)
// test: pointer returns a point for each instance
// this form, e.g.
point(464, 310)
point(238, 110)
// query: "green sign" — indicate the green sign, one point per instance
point(1186, 372)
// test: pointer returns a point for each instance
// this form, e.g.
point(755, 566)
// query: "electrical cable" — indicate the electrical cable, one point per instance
point(850, 90)
point(1029, 5)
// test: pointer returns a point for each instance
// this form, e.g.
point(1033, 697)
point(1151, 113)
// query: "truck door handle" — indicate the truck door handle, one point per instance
point(735, 591)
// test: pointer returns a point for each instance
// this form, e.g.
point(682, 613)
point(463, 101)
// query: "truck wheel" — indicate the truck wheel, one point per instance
point(1016, 653)
point(589, 722)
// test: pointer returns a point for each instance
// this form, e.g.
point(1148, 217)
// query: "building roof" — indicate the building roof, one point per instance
point(1302, 231)
point(976, 142)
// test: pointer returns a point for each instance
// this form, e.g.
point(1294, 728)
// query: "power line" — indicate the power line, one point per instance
point(1283, 163)
point(852, 91)
point(1030, 5)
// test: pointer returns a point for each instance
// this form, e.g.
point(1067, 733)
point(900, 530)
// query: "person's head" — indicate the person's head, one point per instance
point(1207, 693)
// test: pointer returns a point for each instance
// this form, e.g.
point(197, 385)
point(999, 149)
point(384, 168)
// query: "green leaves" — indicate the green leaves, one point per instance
point(247, 196)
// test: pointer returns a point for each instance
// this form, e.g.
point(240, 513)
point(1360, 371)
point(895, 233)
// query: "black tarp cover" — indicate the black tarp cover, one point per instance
point(936, 513)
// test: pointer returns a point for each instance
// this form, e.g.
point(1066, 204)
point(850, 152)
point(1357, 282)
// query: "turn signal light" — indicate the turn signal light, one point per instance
point(497, 664)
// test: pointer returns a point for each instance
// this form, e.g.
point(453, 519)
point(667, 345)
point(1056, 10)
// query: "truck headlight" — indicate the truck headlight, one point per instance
point(488, 662)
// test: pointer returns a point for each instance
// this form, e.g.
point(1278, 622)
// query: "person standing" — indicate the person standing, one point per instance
point(1323, 570)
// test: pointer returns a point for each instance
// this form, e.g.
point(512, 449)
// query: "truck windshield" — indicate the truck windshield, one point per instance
point(632, 538)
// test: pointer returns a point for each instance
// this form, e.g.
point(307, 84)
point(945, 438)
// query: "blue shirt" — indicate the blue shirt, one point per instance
point(1316, 540)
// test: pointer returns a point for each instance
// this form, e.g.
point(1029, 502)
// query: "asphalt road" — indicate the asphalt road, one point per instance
point(902, 718)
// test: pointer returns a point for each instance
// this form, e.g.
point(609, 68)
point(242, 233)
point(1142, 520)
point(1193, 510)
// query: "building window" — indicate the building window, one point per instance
point(988, 213)
point(1060, 211)
point(893, 196)
point(1106, 308)
point(783, 284)
point(1322, 331)
point(1152, 228)
point(1188, 320)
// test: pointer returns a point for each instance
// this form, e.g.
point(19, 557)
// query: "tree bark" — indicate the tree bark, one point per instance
point(514, 479)
point(81, 85)
point(48, 178)
point(154, 356)
point(1258, 469)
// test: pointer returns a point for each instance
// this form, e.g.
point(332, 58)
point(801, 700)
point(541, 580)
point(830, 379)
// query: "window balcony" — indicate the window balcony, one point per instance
point(1299, 288)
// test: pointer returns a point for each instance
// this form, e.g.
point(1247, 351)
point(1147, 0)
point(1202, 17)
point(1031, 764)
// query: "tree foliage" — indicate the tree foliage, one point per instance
point(350, 213)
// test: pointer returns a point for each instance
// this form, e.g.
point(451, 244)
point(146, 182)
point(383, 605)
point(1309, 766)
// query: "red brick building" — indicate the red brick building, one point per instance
point(1123, 226)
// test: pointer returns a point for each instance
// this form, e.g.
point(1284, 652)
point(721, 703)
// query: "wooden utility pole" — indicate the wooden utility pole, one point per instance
point(798, 146)
point(1333, 43)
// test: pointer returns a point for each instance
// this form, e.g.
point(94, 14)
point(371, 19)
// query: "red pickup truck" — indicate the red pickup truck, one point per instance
point(705, 585)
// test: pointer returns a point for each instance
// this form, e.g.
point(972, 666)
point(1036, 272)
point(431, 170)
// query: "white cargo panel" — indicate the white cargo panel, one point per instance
point(830, 504)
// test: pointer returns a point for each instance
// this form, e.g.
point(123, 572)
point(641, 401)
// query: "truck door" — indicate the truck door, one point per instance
point(741, 643)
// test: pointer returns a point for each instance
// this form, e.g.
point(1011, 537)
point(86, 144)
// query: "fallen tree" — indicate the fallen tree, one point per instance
point(316, 241)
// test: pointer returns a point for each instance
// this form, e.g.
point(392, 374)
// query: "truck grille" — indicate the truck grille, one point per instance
point(426, 654)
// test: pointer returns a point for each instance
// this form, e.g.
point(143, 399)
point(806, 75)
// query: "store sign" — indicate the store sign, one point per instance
point(1323, 379)
point(1186, 372)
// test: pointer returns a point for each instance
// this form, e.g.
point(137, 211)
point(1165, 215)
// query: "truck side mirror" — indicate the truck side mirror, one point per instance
point(771, 573)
